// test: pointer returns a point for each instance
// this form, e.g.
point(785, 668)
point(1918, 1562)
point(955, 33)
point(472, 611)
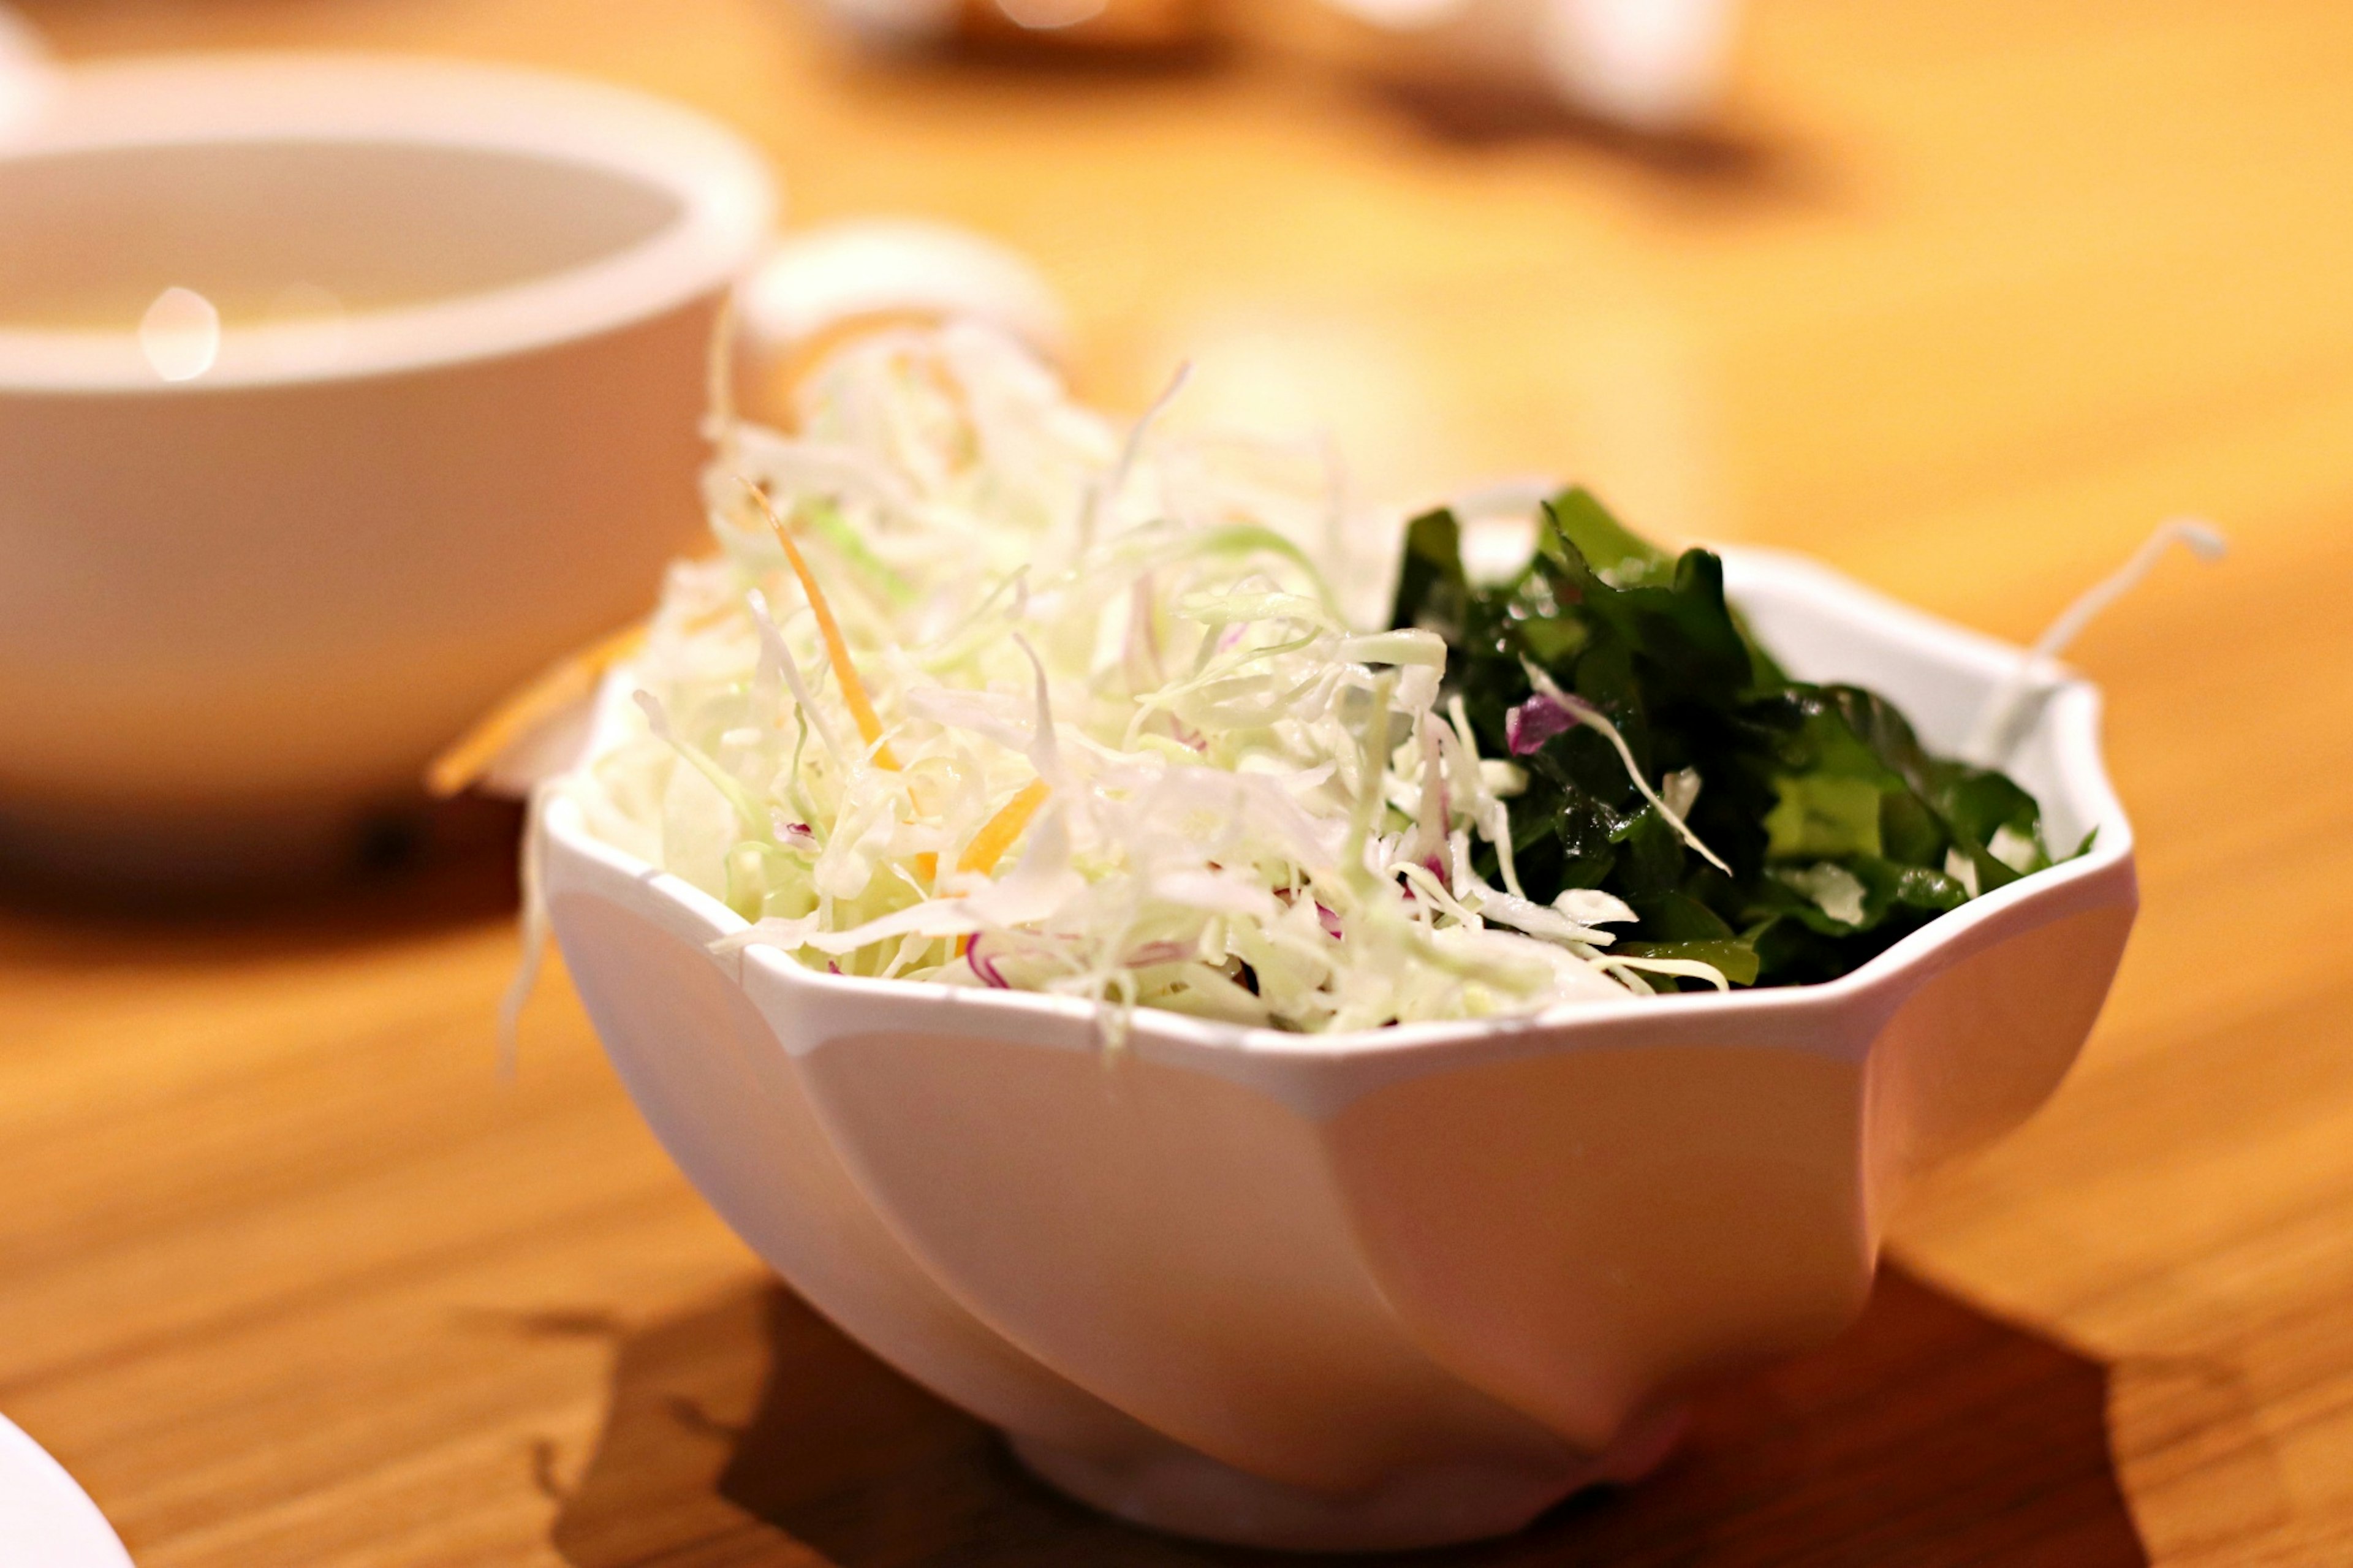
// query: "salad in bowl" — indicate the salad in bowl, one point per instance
point(1322, 1055)
point(979, 691)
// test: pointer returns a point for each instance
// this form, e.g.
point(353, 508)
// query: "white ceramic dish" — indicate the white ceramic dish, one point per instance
point(249, 587)
point(46, 1521)
point(1383, 1290)
point(818, 281)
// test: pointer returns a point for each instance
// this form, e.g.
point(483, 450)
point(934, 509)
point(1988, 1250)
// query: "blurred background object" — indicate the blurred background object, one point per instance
point(895, 24)
point(823, 283)
point(1656, 66)
point(26, 73)
point(1652, 67)
point(1070, 27)
point(1130, 24)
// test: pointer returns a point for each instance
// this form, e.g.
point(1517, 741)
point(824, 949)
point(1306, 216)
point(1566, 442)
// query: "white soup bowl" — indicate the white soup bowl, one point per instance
point(446, 430)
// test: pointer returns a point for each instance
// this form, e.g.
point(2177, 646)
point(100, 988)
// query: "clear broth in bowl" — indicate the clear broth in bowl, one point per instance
point(277, 232)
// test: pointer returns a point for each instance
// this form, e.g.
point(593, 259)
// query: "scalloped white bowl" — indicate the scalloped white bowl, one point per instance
point(1383, 1290)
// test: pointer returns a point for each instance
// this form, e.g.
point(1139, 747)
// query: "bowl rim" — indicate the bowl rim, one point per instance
point(726, 201)
point(2068, 710)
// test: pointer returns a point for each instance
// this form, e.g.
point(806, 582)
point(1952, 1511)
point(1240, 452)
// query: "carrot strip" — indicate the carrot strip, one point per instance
point(837, 650)
point(568, 680)
point(998, 834)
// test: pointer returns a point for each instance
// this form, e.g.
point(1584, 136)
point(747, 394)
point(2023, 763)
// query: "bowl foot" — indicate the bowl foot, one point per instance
point(1186, 1493)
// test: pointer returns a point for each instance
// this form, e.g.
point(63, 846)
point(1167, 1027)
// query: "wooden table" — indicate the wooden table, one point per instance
point(1967, 294)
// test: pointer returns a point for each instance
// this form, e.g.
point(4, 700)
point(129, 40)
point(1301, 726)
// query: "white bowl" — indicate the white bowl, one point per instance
point(44, 1518)
point(1382, 1290)
point(251, 585)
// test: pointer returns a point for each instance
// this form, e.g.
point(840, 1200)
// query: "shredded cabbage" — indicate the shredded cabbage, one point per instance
point(982, 690)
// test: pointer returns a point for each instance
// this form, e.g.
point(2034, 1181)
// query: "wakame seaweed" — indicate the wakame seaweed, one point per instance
point(1842, 833)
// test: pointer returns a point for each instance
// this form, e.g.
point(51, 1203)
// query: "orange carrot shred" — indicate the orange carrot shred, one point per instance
point(837, 650)
point(997, 835)
point(562, 683)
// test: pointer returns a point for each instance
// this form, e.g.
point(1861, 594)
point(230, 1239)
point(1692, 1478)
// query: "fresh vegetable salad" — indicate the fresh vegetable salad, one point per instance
point(984, 691)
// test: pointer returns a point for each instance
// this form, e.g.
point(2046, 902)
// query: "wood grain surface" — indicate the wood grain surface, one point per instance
point(1963, 296)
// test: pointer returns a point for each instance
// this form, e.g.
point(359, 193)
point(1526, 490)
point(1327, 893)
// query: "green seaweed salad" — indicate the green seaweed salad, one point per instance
point(1798, 829)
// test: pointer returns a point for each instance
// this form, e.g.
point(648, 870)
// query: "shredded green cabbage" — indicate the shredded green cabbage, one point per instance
point(1252, 810)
